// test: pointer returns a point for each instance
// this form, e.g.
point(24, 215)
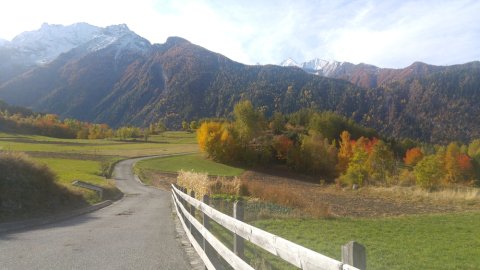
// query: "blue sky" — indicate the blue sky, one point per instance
point(384, 33)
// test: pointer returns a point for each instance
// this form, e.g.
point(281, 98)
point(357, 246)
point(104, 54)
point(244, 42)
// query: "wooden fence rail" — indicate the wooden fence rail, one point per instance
point(295, 254)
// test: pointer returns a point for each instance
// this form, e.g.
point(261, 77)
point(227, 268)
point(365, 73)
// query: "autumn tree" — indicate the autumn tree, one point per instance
point(282, 145)
point(161, 127)
point(474, 149)
point(380, 162)
point(320, 156)
point(82, 133)
point(452, 168)
point(345, 152)
point(185, 125)
point(217, 140)
point(248, 121)
point(146, 134)
point(151, 129)
point(413, 156)
point(429, 172)
point(277, 125)
point(128, 132)
point(357, 171)
point(193, 125)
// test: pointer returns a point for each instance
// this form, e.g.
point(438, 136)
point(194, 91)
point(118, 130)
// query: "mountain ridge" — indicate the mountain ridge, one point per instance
point(126, 80)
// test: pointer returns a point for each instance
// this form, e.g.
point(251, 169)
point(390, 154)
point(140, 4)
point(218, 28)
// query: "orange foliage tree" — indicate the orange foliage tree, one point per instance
point(282, 145)
point(413, 156)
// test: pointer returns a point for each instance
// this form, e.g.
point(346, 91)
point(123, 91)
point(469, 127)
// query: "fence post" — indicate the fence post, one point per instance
point(206, 220)
point(238, 245)
point(192, 210)
point(355, 255)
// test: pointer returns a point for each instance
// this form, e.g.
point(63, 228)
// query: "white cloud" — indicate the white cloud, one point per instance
point(384, 33)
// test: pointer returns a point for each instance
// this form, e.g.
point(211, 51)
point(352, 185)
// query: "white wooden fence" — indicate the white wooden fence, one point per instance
point(295, 254)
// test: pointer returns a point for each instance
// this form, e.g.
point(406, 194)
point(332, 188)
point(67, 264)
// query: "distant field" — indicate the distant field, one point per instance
point(169, 142)
point(194, 162)
point(73, 159)
point(441, 241)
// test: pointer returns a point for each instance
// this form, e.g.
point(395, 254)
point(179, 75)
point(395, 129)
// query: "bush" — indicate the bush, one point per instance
point(429, 172)
point(27, 187)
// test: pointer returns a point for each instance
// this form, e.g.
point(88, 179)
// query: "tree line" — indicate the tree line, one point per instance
point(27, 122)
point(335, 148)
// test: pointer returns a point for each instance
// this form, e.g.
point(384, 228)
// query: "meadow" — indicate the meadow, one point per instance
point(193, 162)
point(92, 160)
point(432, 241)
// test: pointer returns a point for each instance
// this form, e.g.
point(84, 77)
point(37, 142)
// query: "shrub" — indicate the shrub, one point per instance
point(27, 187)
point(429, 172)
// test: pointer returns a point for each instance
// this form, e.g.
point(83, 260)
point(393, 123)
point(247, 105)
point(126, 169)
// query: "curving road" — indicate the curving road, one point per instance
point(136, 232)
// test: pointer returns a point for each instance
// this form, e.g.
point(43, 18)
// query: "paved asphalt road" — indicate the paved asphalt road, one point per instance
point(136, 232)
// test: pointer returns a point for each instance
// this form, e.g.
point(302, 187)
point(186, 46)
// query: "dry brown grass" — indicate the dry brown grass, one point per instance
point(231, 186)
point(283, 194)
point(197, 182)
point(30, 188)
point(202, 184)
point(459, 194)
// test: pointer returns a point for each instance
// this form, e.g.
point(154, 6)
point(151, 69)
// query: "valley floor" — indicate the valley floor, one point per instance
point(401, 227)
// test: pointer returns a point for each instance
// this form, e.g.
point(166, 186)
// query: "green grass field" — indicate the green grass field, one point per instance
point(70, 169)
point(441, 241)
point(167, 143)
point(194, 162)
point(73, 159)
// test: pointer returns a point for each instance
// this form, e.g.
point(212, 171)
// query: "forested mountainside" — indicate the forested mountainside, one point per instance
point(129, 81)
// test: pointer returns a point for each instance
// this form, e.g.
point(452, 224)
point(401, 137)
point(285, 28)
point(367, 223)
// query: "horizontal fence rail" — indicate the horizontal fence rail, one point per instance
point(295, 254)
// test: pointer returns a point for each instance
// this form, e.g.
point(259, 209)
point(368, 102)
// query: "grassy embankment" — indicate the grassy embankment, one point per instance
point(192, 162)
point(89, 160)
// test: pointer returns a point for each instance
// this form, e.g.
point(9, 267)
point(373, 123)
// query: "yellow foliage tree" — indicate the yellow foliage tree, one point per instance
point(216, 140)
point(345, 153)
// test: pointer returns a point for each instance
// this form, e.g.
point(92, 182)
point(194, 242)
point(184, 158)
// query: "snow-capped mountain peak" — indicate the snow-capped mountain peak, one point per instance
point(317, 66)
point(122, 36)
point(290, 63)
point(47, 43)
point(117, 30)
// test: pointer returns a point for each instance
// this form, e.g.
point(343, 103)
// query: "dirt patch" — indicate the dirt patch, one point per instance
point(365, 202)
point(162, 180)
